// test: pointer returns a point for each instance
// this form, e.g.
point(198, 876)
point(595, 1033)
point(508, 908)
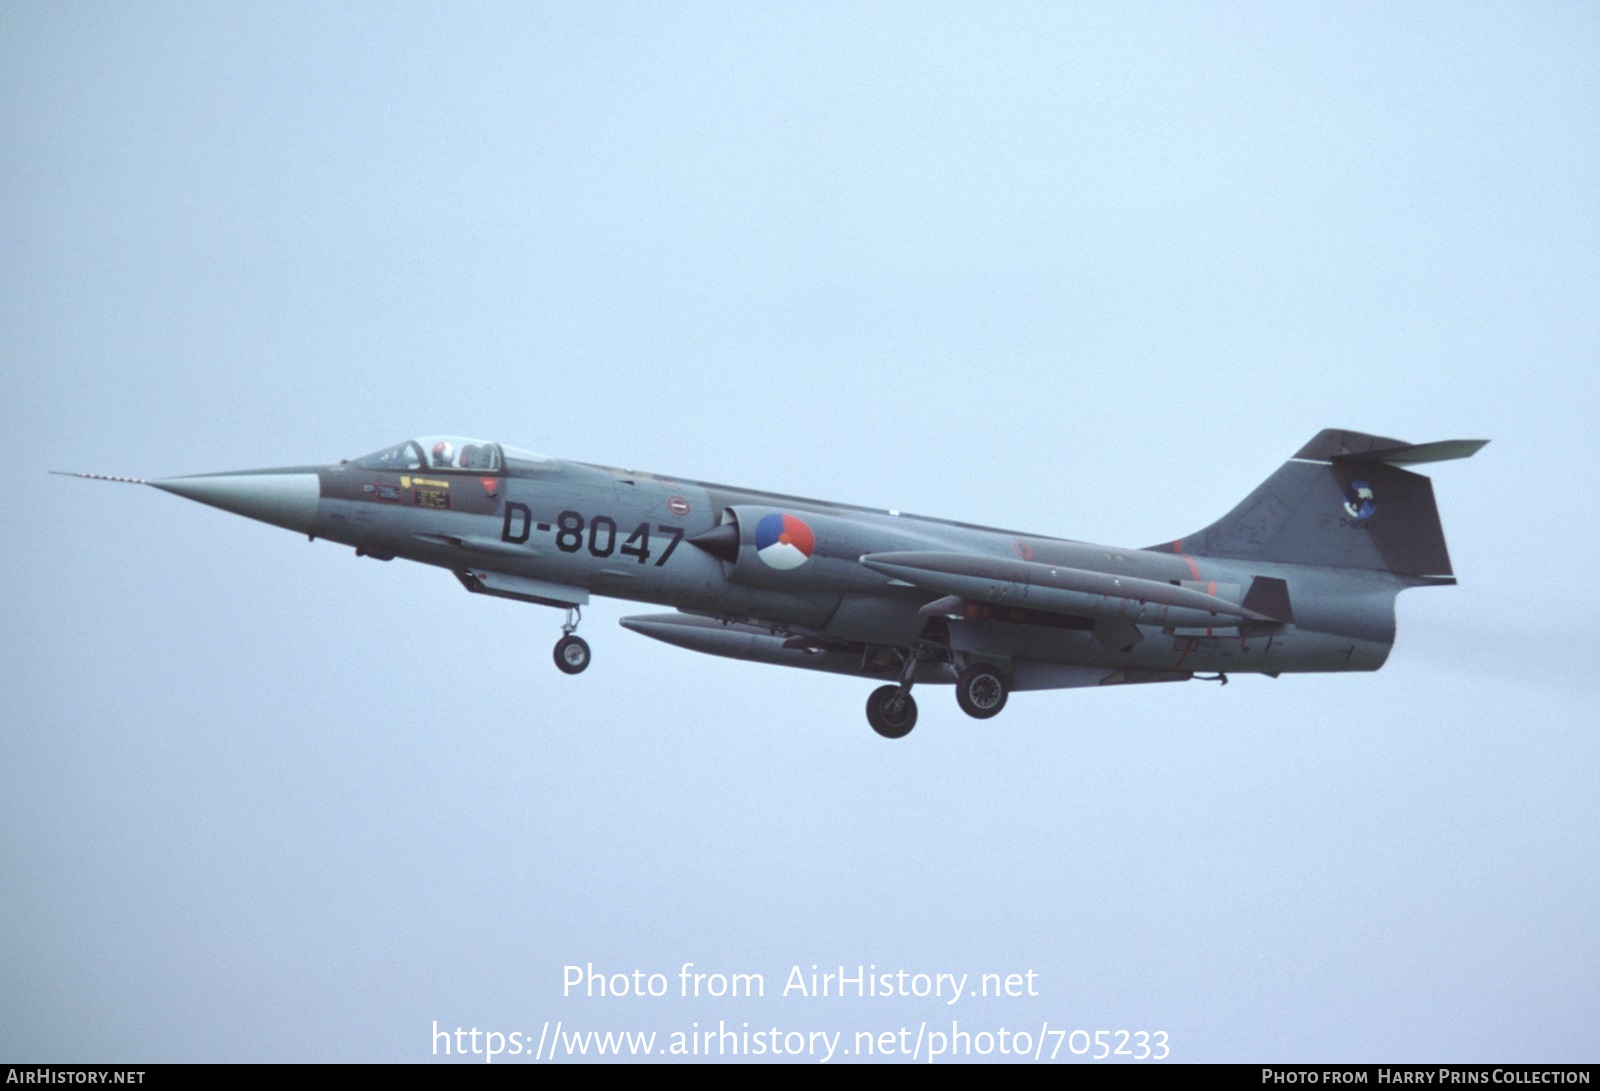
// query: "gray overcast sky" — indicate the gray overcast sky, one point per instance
point(1093, 273)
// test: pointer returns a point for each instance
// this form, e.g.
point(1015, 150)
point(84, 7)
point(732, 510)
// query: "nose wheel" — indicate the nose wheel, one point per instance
point(572, 651)
point(572, 654)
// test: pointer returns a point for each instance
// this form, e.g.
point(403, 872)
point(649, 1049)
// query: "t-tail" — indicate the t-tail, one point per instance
point(1342, 501)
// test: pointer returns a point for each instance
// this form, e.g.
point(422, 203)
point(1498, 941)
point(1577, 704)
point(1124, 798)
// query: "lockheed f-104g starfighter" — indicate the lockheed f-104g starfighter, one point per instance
point(1301, 575)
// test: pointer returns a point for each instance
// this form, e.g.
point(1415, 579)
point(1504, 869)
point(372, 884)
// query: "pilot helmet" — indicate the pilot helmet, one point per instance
point(442, 452)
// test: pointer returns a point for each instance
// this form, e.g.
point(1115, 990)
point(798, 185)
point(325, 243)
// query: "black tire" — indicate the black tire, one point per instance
point(981, 691)
point(572, 654)
point(891, 714)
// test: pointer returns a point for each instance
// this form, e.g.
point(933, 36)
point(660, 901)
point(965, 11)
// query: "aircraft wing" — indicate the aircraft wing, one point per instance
point(1073, 591)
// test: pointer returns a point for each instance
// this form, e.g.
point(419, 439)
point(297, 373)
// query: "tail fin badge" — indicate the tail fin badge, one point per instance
point(1359, 502)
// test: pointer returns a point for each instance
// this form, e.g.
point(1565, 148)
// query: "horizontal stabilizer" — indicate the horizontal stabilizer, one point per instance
point(1442, 451)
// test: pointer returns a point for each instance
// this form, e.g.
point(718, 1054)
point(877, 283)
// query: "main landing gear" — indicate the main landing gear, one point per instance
point(572, 651)
point(891, 710)
point(981, 691)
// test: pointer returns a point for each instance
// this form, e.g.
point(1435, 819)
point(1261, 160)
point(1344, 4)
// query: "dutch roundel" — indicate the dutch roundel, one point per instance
point(783, 541)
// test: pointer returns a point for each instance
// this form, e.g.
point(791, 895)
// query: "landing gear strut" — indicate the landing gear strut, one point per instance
point(891, 710)
point(572, 651)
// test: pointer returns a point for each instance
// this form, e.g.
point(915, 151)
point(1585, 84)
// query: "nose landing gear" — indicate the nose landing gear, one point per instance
point(572, 651)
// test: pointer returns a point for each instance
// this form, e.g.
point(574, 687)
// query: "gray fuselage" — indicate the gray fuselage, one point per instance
point(558, 532)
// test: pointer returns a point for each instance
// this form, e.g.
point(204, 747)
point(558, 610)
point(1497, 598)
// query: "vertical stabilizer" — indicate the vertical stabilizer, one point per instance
point(1341, 501)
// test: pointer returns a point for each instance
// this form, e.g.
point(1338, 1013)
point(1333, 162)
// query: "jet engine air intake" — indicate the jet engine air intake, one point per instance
point(722, 540)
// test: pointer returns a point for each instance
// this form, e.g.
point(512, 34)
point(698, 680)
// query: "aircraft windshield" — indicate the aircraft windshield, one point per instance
point(445, 453)
point(402, 456)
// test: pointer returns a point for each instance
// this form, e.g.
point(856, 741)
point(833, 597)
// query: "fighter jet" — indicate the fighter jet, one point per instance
point(1300, 576)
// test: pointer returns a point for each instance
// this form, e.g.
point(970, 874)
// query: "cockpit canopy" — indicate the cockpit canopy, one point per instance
point(442, 454)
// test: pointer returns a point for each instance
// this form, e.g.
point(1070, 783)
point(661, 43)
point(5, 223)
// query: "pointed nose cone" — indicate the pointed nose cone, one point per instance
point(285, 499)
